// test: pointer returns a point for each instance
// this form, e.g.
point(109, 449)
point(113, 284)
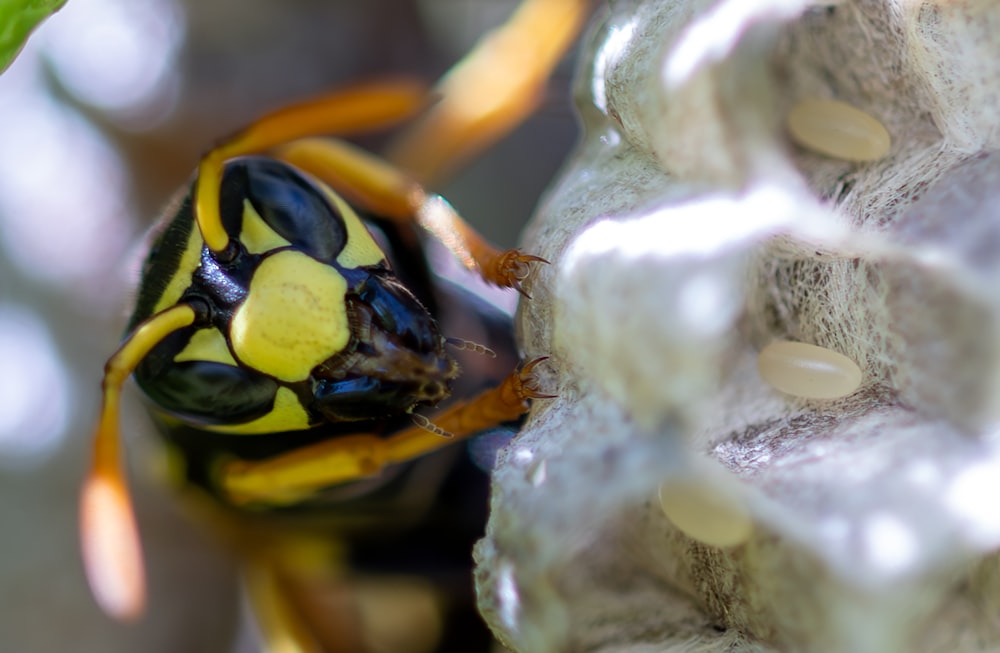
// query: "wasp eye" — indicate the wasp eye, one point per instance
point(289, 204)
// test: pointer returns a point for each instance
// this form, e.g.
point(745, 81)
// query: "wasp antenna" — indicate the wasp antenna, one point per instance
point(109, 538)
point(468, 345)
point(430, 426)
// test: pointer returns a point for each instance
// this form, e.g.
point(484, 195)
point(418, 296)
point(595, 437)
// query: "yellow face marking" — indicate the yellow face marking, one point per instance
point(293, 318)
point(179, 282)
point(255, 235)
point(360, 249)
point(206, 345)
point(287, 415)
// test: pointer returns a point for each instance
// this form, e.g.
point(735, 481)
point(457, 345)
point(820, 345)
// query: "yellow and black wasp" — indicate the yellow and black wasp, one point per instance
point(289, 338)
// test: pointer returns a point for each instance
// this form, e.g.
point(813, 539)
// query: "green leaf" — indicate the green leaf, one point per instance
point(18, 18)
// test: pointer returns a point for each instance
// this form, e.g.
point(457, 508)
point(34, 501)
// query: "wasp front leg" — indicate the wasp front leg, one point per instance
point(294, 476)
point(492, 90)
point(373, 183)
point(389, 192)
point(361, 108)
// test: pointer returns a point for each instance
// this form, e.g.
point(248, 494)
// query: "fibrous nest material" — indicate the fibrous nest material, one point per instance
point(689, 231)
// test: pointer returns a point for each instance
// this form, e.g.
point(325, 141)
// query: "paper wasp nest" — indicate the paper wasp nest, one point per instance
point(755, 171)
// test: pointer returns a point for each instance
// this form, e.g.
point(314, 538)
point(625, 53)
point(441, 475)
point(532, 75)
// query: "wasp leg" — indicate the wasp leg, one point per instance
point(292, 574)
point(296, 475)
point(112, 554)
point(330, 612)
point(387, 191)
point(492, 90)
point(282, 628)
point(360, 108)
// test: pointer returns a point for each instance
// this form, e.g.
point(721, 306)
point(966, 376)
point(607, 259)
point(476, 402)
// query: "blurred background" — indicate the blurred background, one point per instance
point(102, 118)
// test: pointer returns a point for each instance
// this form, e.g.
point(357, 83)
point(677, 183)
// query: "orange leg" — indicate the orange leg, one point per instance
point(364, 107)
point(492, 90)
point(387, 191)
point(281, 626)
point(294, 476)
point(484, 97)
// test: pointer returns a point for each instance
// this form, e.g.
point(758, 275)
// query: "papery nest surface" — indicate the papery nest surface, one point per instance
point(689, 231)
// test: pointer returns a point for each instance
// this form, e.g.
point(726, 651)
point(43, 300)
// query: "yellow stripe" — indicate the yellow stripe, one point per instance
point(287, 415)
point(207, 345)
point(181, 279)
point(256, 235)
point(361, 248)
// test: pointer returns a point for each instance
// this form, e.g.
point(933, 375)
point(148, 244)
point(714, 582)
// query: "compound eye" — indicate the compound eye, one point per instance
point(290, 204)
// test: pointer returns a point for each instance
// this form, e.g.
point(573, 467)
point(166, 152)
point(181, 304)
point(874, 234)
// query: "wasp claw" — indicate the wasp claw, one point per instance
point(527, 386)
point(520, 289)
point(532, 364)
point(513, 267)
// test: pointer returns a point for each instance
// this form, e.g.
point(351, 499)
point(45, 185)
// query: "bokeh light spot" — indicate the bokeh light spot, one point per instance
point(35, 394)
